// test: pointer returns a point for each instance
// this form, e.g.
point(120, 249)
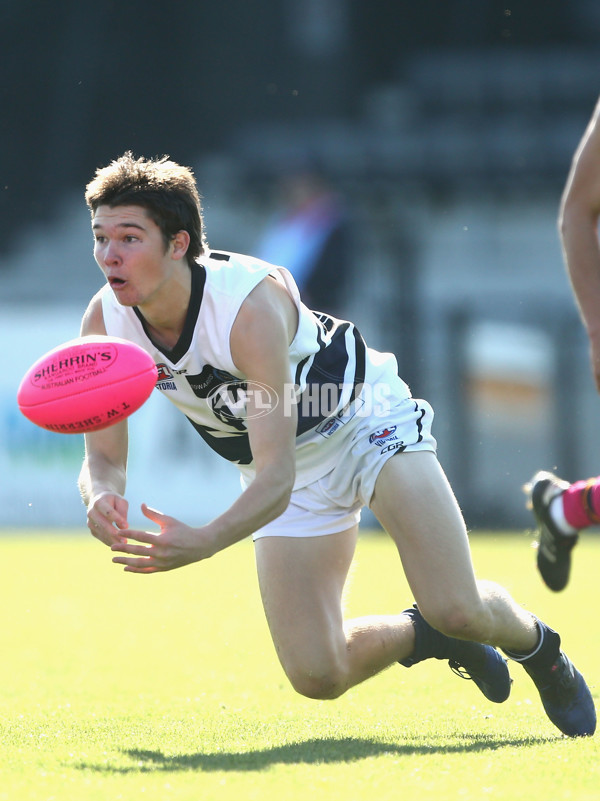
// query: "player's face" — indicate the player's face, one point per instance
point(130, 250)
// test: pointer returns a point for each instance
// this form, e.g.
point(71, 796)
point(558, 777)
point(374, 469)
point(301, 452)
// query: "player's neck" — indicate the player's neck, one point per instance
point(165, 314)
point(166, 337)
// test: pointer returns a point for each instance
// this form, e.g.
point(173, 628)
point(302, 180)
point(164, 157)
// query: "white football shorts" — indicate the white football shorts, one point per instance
point(333, 503)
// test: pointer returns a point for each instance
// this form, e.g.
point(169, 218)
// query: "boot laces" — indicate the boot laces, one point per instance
point(459, 670)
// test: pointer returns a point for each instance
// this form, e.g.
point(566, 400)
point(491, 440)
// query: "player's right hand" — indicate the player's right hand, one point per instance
point(107, 518)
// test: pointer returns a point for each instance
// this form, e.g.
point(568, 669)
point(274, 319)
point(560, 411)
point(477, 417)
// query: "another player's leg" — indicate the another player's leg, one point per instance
point(561, 511)
point(415, 504)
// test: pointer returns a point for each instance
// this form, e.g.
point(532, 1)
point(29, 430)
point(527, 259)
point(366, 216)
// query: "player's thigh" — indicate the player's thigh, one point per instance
point(415, 504)
point(301, 582)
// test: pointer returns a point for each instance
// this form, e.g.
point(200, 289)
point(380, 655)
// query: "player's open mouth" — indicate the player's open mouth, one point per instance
point(116, 283)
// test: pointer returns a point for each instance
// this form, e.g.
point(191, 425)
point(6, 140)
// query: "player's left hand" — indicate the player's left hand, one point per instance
point(175, 546)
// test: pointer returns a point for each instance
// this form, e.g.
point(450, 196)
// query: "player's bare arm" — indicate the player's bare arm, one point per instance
point(260, 338)
point(103, 473)
point(578, 225)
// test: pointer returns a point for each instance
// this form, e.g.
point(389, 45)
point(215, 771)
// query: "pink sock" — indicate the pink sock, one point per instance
point(581, 503)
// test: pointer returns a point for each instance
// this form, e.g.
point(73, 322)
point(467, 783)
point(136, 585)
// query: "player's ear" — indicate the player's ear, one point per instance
point(180, 244)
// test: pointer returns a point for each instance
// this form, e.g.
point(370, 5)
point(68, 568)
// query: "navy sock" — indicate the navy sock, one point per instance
point(432, 644)
point(545, 652)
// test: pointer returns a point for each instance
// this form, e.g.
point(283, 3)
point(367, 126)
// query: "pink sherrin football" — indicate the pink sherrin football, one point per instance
point(87, 384)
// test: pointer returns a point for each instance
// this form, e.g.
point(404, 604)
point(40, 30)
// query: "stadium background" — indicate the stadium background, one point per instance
point(448, 128)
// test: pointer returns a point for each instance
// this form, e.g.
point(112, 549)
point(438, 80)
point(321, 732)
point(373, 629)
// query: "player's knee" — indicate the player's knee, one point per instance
point(463, 622)
point(319, 686)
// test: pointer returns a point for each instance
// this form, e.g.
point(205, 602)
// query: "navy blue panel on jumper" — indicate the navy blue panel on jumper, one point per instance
point(234, 447)
point(325, 380)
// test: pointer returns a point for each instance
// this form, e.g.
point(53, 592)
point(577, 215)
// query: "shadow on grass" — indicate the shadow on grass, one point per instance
point(315, 751)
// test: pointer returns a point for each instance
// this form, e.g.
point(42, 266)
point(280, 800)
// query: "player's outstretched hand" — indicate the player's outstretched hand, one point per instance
point(107, 518)
point(175, 546)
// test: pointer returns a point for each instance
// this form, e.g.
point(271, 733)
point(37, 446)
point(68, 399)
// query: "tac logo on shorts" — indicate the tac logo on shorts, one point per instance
point(379, 437)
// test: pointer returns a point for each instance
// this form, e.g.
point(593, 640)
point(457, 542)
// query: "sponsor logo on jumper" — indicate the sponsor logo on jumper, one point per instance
point(208, 381)
point(332, 424)
point(379, 437)
point(329, 427)
point(164, 380)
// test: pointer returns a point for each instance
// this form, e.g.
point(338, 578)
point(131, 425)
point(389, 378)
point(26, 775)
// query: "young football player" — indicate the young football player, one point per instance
point(319, 426)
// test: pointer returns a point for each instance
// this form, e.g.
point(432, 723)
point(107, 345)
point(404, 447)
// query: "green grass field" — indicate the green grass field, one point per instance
point(167, 688)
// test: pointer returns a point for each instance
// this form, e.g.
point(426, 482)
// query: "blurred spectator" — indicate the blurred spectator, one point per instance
point(310, 236)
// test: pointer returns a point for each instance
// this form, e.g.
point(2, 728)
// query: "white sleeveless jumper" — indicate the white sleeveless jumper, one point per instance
point(334, 373)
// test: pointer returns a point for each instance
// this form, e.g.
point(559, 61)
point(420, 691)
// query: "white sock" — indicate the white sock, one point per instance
point(557, 513)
